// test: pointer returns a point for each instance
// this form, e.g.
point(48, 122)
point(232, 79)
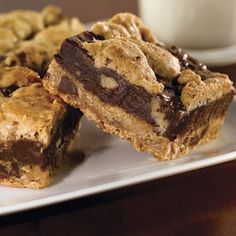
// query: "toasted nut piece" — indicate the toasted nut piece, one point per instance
point(159, 117)
point(108, 82)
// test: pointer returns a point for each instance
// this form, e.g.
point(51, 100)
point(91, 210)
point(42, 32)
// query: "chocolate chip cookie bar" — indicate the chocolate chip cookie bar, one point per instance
point(35, 129)
point(157, 97)
point(29, 38)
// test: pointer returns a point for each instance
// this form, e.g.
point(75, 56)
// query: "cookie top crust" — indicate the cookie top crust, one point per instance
point(124, 25)
point(30, 112)
point(197, 92)
point(172, 67)
point(16, 77)
point(30, 38)
point(127, 59)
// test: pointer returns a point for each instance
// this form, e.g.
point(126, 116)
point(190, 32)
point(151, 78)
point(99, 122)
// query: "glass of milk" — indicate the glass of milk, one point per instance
point(193, 24)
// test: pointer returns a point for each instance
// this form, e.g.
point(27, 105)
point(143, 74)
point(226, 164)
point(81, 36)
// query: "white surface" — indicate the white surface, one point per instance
point(216, 57)
point(191, 23)
point(113, 163)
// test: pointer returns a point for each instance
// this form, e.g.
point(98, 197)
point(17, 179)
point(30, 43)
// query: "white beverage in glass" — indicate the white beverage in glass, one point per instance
point(195, 24)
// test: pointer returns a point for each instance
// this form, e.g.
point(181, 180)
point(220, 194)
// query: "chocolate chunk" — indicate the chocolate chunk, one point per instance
point(25, 151)
point(66, 86)
point(188, 62)
point(89, 37)
point(8, 91)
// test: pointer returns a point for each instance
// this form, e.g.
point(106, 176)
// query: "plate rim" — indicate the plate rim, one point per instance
point(213, 57)
point(153, 175)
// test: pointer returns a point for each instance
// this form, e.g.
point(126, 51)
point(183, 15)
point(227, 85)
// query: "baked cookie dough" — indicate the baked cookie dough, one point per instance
point(35, 127)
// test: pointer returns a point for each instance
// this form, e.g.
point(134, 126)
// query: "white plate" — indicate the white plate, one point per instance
point(113, 163)
point(216, 57)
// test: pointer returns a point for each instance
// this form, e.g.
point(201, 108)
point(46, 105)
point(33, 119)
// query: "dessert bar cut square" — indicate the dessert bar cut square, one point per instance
point(35, 129)
point(30, 38)
point(157, 97)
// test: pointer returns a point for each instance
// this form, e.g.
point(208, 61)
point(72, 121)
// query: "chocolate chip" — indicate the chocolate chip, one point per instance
point(188, 62)
point(8, 91)
point(67, 86)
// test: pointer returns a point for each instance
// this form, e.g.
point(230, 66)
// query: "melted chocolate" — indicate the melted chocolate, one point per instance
point(188, 62)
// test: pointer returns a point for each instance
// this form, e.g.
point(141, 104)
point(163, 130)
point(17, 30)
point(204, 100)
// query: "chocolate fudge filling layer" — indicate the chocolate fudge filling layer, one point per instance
point(201, 117)
point(134, 99)
point(28, 152)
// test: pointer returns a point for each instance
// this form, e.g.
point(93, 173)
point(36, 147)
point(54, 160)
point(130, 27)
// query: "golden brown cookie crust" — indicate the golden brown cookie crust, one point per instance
point(197, 93)
point(29, 111)
point(127, 59)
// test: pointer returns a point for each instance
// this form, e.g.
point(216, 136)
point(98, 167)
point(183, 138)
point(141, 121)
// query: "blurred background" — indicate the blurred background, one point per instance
point(86, 10)
point(204, 28)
